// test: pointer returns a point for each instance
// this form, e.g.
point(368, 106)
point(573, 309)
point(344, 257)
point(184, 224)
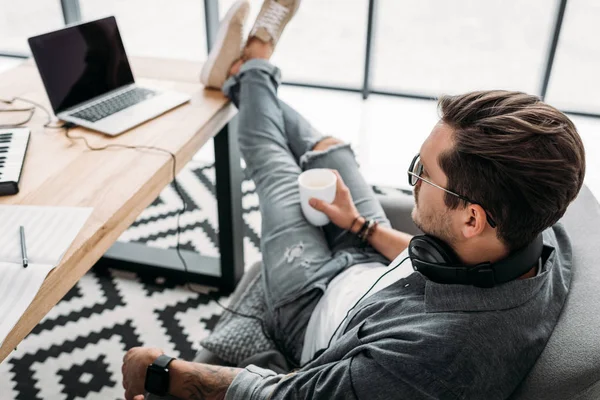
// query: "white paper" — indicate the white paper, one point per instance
point(18, 287)
point(49, 231)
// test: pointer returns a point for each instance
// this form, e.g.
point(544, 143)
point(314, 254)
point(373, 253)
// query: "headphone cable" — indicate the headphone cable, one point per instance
point(359, 300)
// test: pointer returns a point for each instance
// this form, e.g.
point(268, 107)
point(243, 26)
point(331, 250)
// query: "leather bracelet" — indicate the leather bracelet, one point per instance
point(353, 222)
point(362, 229)
point(365, 234)
point(371, 230)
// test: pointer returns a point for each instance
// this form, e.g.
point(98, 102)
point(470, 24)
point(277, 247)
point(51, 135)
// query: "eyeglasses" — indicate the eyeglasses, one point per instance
point(414, 174)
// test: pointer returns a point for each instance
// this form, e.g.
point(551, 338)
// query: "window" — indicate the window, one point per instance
point(434, 47)
point(22, 19)
point(575, 82)
point(324, 44)
point(155, 28)
point(420, 48)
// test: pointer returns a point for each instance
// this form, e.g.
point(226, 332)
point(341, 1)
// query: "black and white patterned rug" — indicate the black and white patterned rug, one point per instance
point(76, 351)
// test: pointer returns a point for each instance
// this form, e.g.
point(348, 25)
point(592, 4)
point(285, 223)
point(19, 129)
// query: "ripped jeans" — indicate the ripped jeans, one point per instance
point(299, 259)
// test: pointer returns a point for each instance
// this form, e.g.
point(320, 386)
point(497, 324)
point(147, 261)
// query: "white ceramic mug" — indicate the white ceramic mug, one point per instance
point(321, 184)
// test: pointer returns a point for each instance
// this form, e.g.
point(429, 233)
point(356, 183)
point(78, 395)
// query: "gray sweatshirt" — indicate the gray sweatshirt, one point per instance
point(417, 339)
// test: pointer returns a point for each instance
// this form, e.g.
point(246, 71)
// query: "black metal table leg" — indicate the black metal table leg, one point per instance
point(229, 177)
point(225, 272)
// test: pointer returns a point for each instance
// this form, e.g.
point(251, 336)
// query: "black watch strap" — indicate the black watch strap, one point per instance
point(163, 361)
point(157, 376)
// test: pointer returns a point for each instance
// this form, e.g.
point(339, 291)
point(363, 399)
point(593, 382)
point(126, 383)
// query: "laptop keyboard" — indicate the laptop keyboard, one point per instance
point(115, 104)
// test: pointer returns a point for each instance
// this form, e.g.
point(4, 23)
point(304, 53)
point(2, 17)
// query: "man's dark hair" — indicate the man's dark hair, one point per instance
point(522, 160)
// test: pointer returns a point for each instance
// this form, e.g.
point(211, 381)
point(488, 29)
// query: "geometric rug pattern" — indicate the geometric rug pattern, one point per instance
point(76, 351)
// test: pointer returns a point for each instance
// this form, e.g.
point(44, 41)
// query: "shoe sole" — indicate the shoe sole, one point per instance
point(219, 41)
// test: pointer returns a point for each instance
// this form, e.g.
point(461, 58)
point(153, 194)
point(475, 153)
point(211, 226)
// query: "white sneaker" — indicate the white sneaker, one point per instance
point(227, 47)
point(272, 18)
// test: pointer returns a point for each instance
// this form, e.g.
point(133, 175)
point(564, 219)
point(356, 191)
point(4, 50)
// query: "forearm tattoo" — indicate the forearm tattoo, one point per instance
point(208, 382)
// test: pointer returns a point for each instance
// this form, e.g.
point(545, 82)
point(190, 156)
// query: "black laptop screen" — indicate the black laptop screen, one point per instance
point(81, 62)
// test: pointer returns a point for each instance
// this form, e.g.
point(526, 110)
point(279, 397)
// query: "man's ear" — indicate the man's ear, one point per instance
point(474, 221)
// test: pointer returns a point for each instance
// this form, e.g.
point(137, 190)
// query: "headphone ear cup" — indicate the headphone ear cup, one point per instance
point(432, 250)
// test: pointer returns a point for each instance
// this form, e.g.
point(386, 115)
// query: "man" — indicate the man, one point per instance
point(497, 170)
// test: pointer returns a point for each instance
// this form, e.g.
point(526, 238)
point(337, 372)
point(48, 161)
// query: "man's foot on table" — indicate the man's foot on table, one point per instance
point(227, 47)
point(272, 18)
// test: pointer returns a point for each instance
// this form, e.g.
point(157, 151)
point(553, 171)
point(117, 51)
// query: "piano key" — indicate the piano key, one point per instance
point(11, 172)
point(16, 148)
point(13, 149)
point(14, 158)
point(12, 165)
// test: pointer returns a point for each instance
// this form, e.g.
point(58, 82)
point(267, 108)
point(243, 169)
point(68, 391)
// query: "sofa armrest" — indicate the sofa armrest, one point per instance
point(398, 209)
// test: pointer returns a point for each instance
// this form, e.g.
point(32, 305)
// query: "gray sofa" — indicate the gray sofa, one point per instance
point(569, 367)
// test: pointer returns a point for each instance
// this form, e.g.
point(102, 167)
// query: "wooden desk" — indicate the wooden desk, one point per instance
point(120, 183)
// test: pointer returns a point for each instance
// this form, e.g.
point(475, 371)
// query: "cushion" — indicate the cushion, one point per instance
point(236, 338)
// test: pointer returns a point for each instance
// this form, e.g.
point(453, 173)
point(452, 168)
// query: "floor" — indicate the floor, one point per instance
point(386, 131)
point(76, 351)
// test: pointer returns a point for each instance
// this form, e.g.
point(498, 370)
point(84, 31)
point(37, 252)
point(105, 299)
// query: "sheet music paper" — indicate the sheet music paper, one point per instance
point(18, 287)
point(49, 231)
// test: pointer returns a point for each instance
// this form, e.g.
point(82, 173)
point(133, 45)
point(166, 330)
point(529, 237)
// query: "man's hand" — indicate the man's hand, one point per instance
point(135, 363)
point(187, 380)
point(342, 211)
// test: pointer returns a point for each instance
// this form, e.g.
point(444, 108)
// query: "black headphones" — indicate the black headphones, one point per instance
point(437, 261)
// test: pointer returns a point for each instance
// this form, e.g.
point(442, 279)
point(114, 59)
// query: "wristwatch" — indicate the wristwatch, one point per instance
point(157, 376)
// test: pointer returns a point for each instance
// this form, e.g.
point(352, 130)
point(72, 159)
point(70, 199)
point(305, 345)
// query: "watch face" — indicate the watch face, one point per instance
point(157, 380)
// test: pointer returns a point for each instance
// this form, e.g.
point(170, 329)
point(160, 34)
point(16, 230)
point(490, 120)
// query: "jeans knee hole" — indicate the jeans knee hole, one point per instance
point(291, 253)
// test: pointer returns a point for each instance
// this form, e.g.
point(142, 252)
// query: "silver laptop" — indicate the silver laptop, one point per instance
point(89, 81)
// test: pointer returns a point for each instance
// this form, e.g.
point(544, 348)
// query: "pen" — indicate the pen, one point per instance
point(23, 248)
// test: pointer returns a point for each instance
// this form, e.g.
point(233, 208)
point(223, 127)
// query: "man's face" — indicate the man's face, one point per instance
point(430, 213)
